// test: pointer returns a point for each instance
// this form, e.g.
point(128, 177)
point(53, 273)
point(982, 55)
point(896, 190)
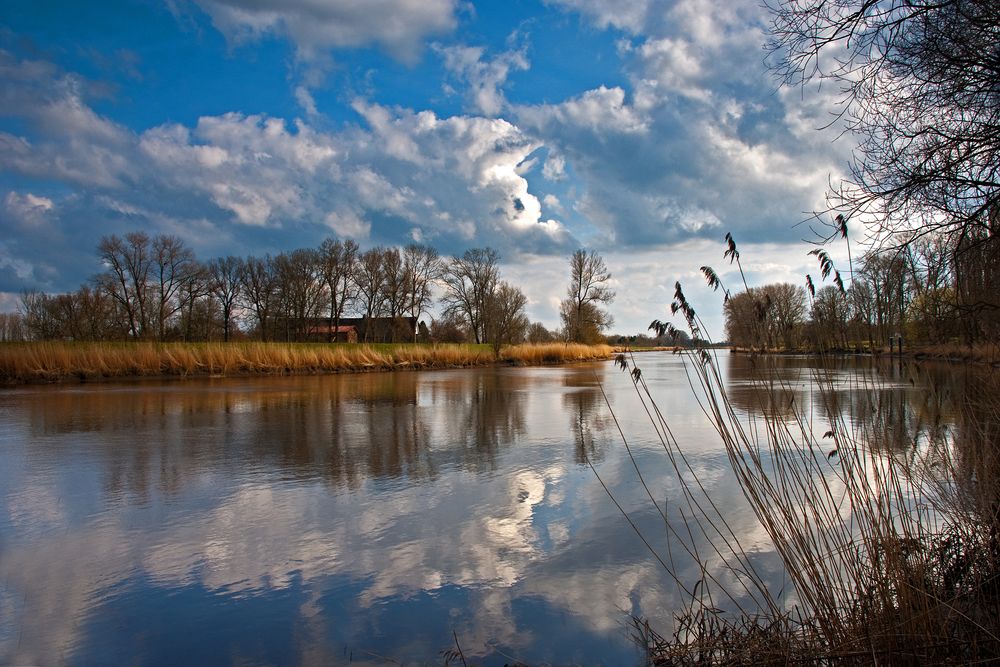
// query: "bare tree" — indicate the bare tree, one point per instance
point(128, 262)
point(449, 329)
point(830, 313)
point(787, 313)
point(582, 311)
point(226, 286)
point(977, 274)
point(862, 301)
point(12, 329)
point(537, 333)
point(395, 288)
point(422, 266)
point(260, 291)
point(933, 309)
point(173, 268)
point(300, 290)
point(87, 314)
point(504, 321)
point(744, 314)
point(338, 262)
point(469, 282)
point(38, 320)
point(370, 281)
point(198, 306)
point(891, 293)
point(920, 84)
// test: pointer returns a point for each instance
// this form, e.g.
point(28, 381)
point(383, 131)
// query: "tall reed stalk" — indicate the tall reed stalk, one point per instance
point(891, 545)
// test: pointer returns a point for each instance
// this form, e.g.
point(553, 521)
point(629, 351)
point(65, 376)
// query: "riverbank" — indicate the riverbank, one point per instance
point(981, 353)
point(47, 362)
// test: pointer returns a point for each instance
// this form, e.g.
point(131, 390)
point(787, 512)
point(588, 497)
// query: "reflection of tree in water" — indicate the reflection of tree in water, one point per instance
point(398, 438)
point(474, 414)
point(342, 428)
point(157, 438)
point(494, 414)
point(895, 407)
point(906, 411)
point(148, 441)
point(588, 420)
point(767, 385)
point(346, 429)
point(977, 452)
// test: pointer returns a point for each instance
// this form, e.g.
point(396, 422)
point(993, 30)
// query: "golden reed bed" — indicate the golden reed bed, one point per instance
point(22, 363)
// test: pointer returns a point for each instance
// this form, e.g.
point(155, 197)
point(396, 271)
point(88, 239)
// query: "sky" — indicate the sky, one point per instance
point(643, 130)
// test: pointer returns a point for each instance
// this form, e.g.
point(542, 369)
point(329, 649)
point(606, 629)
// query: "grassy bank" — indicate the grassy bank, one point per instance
point(22, 363)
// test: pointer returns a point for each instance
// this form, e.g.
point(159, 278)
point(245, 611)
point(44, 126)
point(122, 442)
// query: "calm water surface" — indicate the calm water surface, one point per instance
point(354, 518)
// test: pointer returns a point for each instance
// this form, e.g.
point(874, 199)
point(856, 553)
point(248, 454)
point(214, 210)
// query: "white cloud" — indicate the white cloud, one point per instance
point(554, 168)
point(485, 78)
point(697, 141)
point(453, 181)
point(348, 224)
point(553, 203)
point(21, 268)
point(693, 143)
point(469, 166)
point(27, 208)
point(397, 26)
point(676, 66)
point(306, 100)
point(602, 110)
point(630, 16)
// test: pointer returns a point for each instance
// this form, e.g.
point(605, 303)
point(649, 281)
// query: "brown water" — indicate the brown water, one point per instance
point(358, 518)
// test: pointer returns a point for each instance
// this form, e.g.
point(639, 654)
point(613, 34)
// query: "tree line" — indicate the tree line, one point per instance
point(154, 288)
point(939, 288)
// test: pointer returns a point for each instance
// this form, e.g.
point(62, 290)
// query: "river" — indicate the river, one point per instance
point(362, 518)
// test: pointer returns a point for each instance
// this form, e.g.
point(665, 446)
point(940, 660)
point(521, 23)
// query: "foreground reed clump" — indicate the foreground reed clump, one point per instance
point(885, 523)
point(60, 361)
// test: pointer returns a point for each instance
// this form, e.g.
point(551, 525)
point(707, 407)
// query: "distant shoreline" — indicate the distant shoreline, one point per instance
point(71, 362)
point(980, 354)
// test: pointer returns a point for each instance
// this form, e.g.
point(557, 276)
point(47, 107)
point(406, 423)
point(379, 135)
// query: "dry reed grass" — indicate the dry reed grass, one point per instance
point(534, 354)
point(892, 549)
point(59, 361)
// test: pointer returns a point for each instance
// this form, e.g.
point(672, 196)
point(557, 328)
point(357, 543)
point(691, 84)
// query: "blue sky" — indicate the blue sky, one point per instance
point(644, 130)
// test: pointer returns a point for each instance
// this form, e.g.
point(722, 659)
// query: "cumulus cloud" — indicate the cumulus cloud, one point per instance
point(697, 141)
point(676, 65)
point(79, 145)
point(464, 162)
point(485, 78)
point(553, 203)
point(399, 174)
point(602, 110)
point(397, 26)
